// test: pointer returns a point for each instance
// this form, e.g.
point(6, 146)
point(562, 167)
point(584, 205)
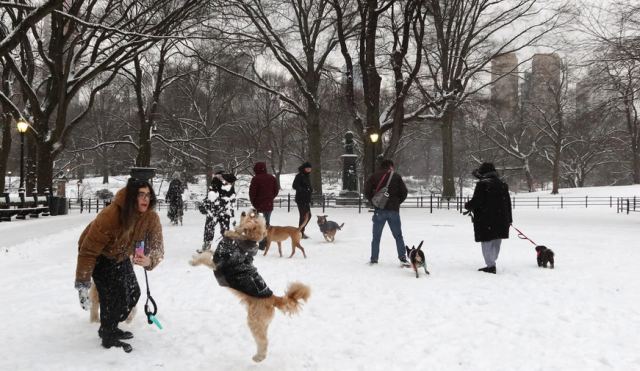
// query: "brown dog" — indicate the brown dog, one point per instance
point(328, 228)
point(260, 311)
point(279, 234)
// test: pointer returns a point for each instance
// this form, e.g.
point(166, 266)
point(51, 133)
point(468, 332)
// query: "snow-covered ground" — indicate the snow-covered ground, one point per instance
point(584, 315)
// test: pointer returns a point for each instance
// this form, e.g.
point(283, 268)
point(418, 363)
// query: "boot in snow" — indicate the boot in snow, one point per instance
point(111, 341)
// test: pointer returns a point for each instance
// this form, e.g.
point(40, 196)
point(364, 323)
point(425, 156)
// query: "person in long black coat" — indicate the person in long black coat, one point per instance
point(491, 210)
point(302, 186)
point(174, 199)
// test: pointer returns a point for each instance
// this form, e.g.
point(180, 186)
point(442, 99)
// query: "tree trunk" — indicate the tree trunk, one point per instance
point(5, 148)
point(636, 166)
point(144, 142)
point(448, 185)
point(105, 169)
point(555, 177)
point(527, 173)
point(315, 147)
point(396, 130)
point(30, 175)
point(44, 167)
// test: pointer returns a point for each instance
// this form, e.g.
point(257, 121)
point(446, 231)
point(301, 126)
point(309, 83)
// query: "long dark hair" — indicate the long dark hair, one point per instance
point(131, 200)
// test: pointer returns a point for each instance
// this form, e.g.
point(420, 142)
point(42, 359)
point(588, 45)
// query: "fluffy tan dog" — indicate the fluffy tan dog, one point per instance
point(94, 314)
point(279, 234)
point(260, 311)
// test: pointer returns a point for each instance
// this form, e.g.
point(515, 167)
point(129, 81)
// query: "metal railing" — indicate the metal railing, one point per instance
point(431, 202)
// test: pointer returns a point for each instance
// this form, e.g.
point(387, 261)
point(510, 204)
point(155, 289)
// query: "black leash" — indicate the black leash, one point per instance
point(151, 314)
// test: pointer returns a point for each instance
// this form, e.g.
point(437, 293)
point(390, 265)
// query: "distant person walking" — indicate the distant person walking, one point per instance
point(390, 213)
point(302, 186)
point(174, 199)
point(262, 190)
point(491, 208)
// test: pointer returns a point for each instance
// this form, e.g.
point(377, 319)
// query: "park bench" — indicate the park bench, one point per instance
point(22, 206)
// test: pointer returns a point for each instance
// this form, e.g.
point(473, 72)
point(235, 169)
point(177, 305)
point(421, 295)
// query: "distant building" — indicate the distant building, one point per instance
point(504, 88)
point(546, 80)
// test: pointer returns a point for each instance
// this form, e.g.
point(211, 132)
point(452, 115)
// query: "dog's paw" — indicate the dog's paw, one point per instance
point(259, 357)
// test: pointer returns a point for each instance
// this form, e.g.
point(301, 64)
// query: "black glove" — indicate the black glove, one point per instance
point(83, 294)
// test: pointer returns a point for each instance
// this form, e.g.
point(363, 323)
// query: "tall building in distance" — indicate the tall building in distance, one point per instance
point(546, 78)
point(504, 87)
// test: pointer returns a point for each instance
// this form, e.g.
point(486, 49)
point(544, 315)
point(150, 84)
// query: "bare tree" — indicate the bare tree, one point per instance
point(79, 42)
point(467, 35)
point(517, 140)
point(299, 36)
point(361, 24)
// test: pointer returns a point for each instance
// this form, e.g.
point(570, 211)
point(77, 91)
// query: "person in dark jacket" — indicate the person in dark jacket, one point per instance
point(302, 186)
point(491, 210)
point(218, 206)
point(262, 190)
point(391, 211)
point(174, 199)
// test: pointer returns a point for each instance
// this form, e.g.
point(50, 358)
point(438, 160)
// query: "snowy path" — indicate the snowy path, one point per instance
point(583, 315)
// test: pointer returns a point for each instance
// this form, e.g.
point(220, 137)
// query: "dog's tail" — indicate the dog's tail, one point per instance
point(340, 226)
point(290, 302)
point(307, 216)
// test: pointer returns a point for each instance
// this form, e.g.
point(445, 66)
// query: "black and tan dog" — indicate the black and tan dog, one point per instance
point(417, 259)
point(328, 228)
point(545, 256)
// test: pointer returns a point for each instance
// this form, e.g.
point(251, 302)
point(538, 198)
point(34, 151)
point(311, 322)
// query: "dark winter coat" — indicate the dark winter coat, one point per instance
point(263, 188)
point(218, 207)
point(397, 189)
point(174, 199)
point(105, 236)
point(235, 269)
point(302, 186)
point(491, 208)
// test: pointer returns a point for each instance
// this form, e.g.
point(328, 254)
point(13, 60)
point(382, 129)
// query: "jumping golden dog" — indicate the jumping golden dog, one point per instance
point(260, 310)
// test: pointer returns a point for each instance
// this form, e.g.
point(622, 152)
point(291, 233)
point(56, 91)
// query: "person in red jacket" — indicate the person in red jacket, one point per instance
point(262, 190)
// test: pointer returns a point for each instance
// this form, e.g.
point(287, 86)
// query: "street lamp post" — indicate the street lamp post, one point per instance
point(22, 126)
point(373, 136)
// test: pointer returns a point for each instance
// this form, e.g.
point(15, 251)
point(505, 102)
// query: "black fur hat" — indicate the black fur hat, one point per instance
point(304, 166)
point(485, 168)
point(229, 178)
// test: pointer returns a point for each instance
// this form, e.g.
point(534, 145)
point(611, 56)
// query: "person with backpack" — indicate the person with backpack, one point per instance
point(491, 213)
point(389, 210)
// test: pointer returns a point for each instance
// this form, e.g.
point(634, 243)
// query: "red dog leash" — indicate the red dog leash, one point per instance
point(522, 236)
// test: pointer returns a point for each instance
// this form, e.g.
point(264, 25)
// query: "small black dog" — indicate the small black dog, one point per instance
point(417, 259)
point(544, 256)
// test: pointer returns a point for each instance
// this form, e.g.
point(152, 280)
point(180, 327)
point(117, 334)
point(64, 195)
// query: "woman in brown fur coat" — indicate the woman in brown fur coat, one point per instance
point(104, 249)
